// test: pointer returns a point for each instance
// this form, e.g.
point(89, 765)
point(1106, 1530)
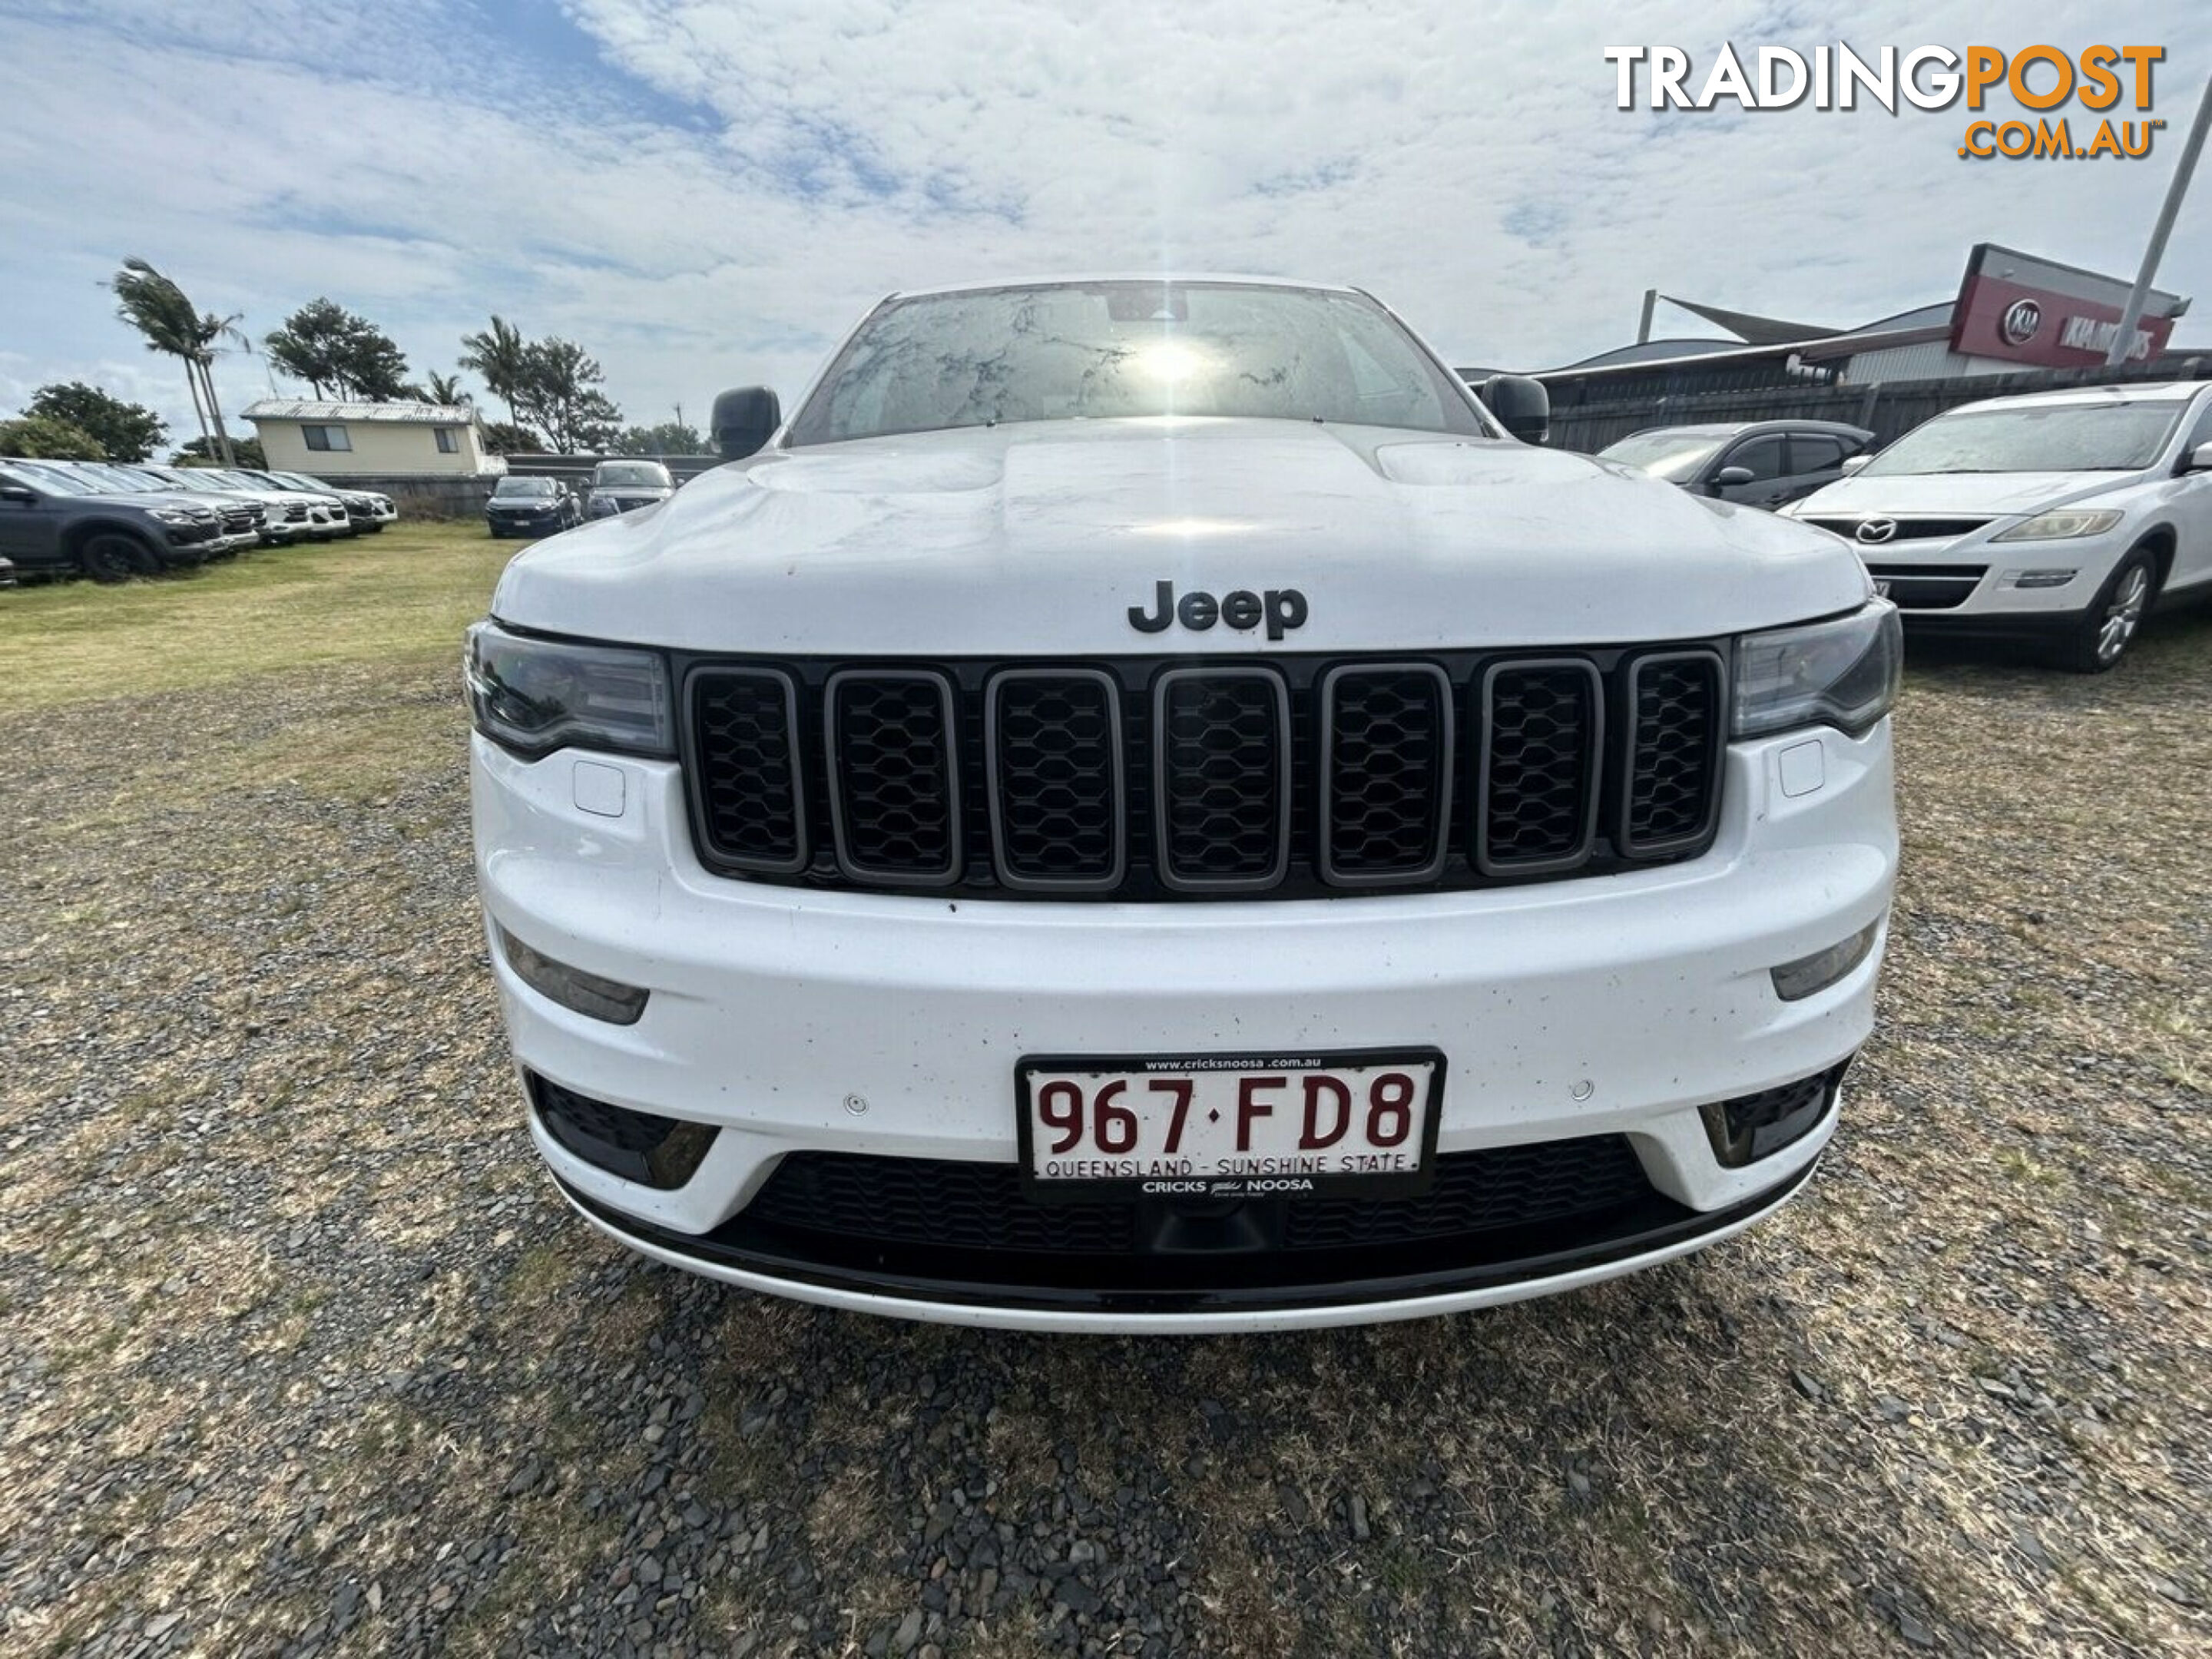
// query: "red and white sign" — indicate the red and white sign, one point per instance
point(2015, 307)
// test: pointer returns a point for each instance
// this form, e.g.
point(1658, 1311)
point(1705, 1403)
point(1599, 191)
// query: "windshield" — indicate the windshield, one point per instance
point(1677, 456)
point(649, 475)
point(2113, 437)
point(112, 477)
point(1110, 350)
point(54, 479)
point(523, 487)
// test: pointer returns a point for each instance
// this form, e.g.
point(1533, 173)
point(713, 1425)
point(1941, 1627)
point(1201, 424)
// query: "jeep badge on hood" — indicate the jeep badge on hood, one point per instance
point(1281, 608)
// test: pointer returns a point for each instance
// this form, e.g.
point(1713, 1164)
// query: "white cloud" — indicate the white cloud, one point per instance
point(704, 193)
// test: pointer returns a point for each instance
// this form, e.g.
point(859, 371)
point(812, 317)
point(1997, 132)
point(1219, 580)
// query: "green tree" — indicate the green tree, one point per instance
point(502, 357)
point(172, 325)
point(669, 438)
point(43, 438)
point(506, 438)
point(560, 395)
point(128, 432)
point(336, 351)
point(446, 389)
point(201, 452)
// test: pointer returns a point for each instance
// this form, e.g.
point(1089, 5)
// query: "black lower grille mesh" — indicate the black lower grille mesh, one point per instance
point(934, 1201)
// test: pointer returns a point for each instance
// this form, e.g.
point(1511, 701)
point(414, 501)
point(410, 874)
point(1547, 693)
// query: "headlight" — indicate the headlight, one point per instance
point(1842, 673)
point(2060, 525)
point(533, 696)
point(175, 514)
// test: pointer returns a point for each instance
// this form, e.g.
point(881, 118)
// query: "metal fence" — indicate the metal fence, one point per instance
point(1890, 410)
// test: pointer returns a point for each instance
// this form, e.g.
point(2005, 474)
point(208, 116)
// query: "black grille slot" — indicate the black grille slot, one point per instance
point(1055, 740)
point(1675, 729)
point(1386, 773)
point(942, 1202)
point(745, 724)
point(894, 794)
point(1928, 586)
point(1222, 748)
point(1541, 727)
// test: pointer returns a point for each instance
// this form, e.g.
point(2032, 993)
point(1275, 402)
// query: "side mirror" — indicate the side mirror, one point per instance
point(1729, 477)
point(1853, 463)
point(17, 492)
point(744, 420)
point(1521, 405)
point(2198, 459)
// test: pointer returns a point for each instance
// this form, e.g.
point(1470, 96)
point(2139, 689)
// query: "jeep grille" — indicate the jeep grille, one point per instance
point(1163, 778)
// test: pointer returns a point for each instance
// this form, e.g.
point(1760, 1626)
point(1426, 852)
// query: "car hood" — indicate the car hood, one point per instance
point(145, 501)
point(636, 492)
point(1041, 536)
point(1991, 493)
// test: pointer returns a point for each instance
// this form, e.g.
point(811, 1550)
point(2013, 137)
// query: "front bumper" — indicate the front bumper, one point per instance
point(1972, 584)
point(795, 1020)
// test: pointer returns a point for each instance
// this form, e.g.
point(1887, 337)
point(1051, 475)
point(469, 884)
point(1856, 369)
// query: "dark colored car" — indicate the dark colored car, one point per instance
point(624, 486)
point(52, 520)
point(532, 507)
point(1754, 463)
point(244, 522)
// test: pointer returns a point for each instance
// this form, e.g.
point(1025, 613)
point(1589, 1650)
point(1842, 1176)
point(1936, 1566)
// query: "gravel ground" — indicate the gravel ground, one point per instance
point(302, 1354)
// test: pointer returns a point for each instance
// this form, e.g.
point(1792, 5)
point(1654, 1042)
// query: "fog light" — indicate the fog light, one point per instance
point(2041, 577)
point(572, 987)
point(1796, 981)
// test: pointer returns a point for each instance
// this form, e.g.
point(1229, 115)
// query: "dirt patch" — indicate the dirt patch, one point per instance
point(300, 1354)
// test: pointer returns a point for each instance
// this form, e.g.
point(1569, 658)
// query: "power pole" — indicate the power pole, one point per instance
point(2123, 338)
point(1643, 326)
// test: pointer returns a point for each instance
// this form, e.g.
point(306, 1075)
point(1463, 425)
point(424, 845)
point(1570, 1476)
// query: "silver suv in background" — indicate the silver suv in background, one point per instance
point(2063, 516)
point(622, 486)
point(1752, 463)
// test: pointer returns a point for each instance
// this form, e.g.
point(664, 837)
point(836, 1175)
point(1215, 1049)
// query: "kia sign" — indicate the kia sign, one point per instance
point(2022, 309)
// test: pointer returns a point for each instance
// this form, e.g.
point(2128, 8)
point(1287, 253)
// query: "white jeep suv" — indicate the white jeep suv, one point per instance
point(1143, 807)
point(2059, 516)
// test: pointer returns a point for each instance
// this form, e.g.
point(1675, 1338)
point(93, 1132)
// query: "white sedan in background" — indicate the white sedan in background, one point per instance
point(2062, 516)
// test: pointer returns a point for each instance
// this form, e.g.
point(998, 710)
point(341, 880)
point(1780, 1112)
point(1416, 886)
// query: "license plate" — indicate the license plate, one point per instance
point(1343, 1124)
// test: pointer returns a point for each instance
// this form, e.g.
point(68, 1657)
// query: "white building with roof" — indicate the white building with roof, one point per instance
point(387, 441)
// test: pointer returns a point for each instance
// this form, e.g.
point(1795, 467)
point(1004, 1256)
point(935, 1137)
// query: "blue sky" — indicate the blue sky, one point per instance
point(706, 192)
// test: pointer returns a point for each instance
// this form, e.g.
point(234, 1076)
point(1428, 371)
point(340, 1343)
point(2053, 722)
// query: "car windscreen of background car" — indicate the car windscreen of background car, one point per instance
point(1676, 457)
point(632, 475)
point(524, 487)
point(1104, 351)
point(2065, 438)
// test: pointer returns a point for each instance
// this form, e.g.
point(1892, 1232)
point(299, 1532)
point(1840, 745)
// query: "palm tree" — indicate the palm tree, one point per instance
point(446, 389)
point(501, 355)
point(159, 309)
